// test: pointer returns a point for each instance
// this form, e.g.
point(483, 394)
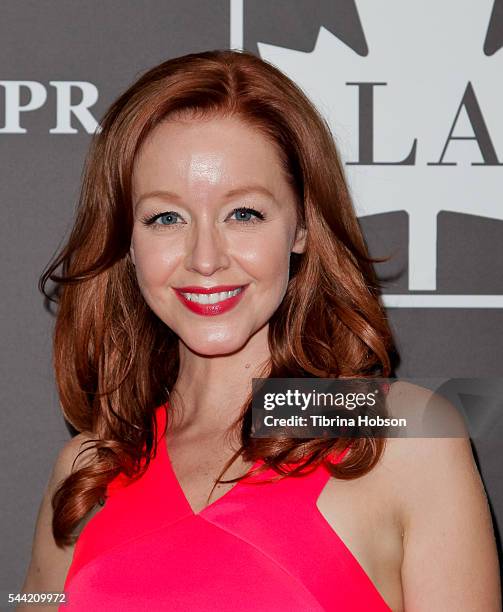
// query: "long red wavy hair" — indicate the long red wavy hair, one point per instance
point(115, 361)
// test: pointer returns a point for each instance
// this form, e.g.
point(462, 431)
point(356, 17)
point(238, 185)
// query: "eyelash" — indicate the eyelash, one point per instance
point(150, 220)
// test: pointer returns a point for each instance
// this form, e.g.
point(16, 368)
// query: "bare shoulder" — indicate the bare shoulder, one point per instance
point(49, 563)
point(405, 462)
point(428, 413)
point(76, 453)
point(443, 508)
point(415, 461)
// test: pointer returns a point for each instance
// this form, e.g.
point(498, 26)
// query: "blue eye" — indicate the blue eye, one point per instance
point(247, 211)
point(165, 216)
point(151, 220)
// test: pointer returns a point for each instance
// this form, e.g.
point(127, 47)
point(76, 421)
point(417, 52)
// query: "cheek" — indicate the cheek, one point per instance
point(154, 262)
point(265, 256)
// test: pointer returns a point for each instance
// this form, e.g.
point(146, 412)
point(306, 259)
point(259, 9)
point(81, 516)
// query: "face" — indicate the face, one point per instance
point(213, 211)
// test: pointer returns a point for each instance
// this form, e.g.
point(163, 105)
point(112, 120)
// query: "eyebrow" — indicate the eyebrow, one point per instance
point(238, 191)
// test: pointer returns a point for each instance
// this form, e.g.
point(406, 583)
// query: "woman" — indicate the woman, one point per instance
point(213, 175)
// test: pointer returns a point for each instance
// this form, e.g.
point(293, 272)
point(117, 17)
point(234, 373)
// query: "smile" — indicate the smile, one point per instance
point(208, 304)
point(211, 298)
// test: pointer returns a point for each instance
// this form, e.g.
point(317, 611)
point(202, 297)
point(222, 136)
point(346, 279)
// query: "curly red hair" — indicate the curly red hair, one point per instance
point(115, 361)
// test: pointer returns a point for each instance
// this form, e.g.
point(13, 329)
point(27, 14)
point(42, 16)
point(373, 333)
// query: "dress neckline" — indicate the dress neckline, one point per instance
point(168, 469)
point(171, 474)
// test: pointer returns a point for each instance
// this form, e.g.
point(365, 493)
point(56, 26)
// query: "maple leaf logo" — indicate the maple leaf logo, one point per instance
point(437, 125)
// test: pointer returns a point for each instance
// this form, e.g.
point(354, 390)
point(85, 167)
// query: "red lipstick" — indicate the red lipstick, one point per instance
point(210, 309)
point(215, 289)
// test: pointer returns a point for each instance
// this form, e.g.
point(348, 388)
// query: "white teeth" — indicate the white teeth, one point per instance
point(211, 298)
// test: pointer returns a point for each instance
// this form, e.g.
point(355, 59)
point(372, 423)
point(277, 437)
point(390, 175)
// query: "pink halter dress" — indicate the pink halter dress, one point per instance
point(258, 548)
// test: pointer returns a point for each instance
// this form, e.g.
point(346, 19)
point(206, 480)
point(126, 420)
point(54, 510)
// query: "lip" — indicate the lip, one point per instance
point(215, 289)
point(210, 309)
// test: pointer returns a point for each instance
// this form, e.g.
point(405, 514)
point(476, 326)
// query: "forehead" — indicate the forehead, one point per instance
point(211, 153)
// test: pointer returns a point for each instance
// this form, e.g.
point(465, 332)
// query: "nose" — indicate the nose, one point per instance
point(206, 249)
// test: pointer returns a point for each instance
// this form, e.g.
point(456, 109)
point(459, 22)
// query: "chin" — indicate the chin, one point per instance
point(213, 345)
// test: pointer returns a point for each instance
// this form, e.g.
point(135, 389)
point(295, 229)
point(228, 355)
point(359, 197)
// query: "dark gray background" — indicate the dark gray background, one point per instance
point(109, 44)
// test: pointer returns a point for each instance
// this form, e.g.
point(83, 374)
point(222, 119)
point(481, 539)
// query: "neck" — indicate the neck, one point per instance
point(210, 390)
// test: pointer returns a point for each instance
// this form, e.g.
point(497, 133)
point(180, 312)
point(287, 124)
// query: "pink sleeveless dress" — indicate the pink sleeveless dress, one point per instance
point(258, 548)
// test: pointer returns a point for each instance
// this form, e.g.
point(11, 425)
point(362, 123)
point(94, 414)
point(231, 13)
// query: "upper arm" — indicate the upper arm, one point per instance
point(49, 563)
point(450, 557)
